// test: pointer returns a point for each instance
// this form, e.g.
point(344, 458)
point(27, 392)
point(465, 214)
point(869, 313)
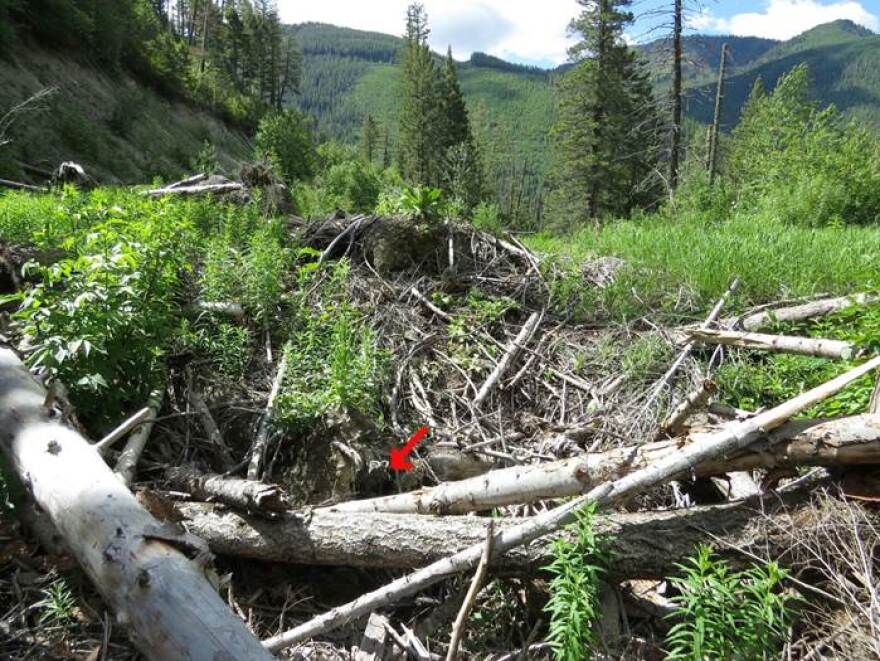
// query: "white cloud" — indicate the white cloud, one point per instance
point(523, 30)
point(784, 19)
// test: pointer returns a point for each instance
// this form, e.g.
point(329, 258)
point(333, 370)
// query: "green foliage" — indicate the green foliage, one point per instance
point(251, 272)
point(224, 347)
point(334, 362)
point(58, 605)
point(752, 382)
point(683, 265)
point(206, 160)
point(99, 319)
point(422, 202)
point(607, 132)
point(286, 140)
point(487, 217)
point(577, 569)
point(800, 164)
point(646, 357)
point(724, 614)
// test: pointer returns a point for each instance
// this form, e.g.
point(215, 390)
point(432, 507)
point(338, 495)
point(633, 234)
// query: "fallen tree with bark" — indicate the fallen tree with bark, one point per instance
point(148, 572)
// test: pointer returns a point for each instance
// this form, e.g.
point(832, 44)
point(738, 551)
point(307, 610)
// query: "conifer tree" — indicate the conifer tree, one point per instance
point(607, 131)
point(462, 173)
point(369, 138)
point(421, 119)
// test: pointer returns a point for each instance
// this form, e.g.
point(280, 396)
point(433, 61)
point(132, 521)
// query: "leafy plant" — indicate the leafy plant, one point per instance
point(724, 614)
point(577, 570)
point(58, 604)
point(285, 139)
point(421, 202)
point(334, 361)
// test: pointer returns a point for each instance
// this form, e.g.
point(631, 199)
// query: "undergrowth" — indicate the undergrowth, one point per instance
point(577, 569)
point(722, 614)
point(681, 266)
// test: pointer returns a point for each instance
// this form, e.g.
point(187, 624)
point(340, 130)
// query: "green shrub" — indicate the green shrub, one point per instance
point(421, 202)
point(334, 362)
point(286, 140)
point(577, 570)
point(487, 217)
point(722, 614)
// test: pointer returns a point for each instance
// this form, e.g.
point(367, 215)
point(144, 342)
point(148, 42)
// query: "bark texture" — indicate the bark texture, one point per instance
point(841, 441)
point(138, 564)
point(644, 544)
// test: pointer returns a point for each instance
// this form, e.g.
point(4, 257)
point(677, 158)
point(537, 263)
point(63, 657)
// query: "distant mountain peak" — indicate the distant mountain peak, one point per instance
point(840, 28)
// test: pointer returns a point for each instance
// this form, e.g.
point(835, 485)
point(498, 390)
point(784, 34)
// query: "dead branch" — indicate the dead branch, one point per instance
point(805, 311)
point(523, 337)
point(842, 441)
point(126, 464)
point(134, 421)
point(712, 446)
point(214, 436)
point(261, 441)
point(689, 347)
point(247, 495)
point(199, 189)
point(804, 346)
point(693, 402)
point(471, 596)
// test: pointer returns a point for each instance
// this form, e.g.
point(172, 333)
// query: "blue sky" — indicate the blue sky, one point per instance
point(534, 31)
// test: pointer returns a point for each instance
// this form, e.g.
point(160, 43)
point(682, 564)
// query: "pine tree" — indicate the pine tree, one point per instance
point(607, 127)
point(369, 137)
point(456, 126)
point(462, 172)
point(420, 110)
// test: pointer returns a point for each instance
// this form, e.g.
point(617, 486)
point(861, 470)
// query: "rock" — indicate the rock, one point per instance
point(398, 243)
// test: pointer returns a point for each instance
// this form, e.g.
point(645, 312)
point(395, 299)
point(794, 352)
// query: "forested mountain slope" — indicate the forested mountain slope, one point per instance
point(348, 73)
point(119, 129)
point(844, 64)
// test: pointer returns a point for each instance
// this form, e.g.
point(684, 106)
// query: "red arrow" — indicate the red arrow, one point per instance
point(399, 460)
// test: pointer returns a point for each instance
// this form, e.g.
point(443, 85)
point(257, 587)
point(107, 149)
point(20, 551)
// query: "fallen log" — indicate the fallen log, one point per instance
point(712, 446)
point(803, 346)
point(804, 311)
point(248, 495)
point(643, 544)
point(224, 308)
point(199, 189)
point(842, 441)
point(16, 185)
point(138, 565)
point(261, 441)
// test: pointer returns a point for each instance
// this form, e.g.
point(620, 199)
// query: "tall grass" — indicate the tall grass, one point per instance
point(684, 265)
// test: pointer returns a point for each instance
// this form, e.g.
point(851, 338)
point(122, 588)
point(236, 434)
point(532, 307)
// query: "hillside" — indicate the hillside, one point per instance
point(120, 130)
point(348, 73)
point(844, 62)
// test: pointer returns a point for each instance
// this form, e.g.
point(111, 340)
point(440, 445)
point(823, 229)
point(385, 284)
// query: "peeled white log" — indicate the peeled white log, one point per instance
point(805, 311)
point(198, 189)
point(224, 308)
point(841, 441)
point(513, 349)
point(710, 447)
point(126, 464)
point(804, 346)
point(643, 544)
point(261, 441)
point(134, 561)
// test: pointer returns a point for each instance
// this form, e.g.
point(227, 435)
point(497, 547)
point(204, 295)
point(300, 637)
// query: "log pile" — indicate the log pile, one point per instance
point(525, 433)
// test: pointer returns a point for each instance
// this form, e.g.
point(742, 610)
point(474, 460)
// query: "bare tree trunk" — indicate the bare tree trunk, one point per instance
point(137, 564)
point(841, 441)
point(716, 121)
point(675, 151)
point(399, 541)
point(248, 495)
